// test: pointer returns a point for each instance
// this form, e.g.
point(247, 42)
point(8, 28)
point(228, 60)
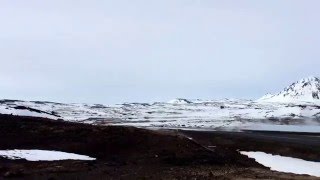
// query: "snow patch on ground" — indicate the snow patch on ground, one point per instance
point(42, 155)
point(4, 109)
point(285, 164)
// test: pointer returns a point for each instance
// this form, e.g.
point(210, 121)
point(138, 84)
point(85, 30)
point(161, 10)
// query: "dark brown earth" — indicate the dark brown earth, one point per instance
point(299, 145)
point(122, 153)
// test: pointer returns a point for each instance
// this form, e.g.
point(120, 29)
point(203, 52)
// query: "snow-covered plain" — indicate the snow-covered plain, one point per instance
point(296, 108)
point(42, 155)
point(285, 164)
point(197, 114)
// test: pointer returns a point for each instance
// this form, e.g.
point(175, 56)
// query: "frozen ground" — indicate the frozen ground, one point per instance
point(180, 113)
point(42, 155)
point(135, 153)
point(285, 164)
point(296, 108)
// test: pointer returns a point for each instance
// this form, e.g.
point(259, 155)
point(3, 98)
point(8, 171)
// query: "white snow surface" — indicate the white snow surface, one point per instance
point(285, 164)
point(5, 109)
point(179, 101)
point(197, 114)
point(305, 90)
point(42, 155)
point(297, 108)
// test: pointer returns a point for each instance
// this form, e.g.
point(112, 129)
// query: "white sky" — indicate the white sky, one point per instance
point(149, 50)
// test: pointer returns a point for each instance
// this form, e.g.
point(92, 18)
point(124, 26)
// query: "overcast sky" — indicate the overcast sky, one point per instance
point(113, 51)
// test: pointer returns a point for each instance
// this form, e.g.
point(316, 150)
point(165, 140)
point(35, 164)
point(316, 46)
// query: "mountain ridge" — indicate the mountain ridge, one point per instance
point(304, 90)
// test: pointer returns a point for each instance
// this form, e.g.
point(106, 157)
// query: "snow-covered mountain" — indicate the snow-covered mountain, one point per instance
point(305, 90)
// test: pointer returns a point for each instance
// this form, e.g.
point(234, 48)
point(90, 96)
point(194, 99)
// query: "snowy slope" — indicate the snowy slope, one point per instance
point(305, 90)
point(22, 108)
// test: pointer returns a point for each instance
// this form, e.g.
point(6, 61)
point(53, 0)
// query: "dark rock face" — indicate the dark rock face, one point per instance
point(315, 95)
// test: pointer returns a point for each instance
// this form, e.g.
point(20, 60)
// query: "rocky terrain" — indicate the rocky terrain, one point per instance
point(179, 139)
point(121, 153)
